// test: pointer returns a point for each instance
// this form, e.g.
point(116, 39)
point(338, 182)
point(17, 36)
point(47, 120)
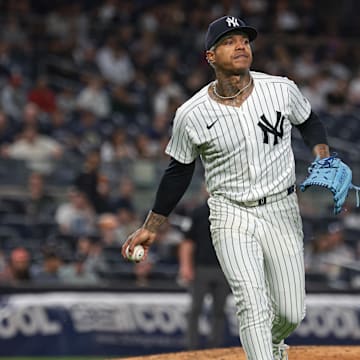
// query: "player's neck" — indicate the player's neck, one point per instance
point(230, 85)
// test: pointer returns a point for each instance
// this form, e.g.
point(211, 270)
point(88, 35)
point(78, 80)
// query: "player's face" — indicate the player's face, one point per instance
point(233, 53)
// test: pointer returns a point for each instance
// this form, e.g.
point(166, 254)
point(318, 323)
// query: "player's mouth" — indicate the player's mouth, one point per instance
point(240, 56)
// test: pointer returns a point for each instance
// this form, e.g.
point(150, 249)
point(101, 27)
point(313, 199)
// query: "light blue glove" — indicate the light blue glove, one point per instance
point(334, 175)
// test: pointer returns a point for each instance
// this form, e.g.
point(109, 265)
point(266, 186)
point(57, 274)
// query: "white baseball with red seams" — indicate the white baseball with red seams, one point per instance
point(137, 255)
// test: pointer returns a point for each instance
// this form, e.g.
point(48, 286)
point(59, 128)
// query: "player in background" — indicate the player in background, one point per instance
point(200, 270)
point(240, 126)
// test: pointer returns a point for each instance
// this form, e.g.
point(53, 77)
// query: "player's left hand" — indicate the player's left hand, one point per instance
point(333, 174)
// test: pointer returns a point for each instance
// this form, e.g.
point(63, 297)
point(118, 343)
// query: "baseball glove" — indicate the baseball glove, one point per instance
point(333, 174)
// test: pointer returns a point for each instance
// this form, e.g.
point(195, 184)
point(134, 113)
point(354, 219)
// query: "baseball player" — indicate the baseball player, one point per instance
point(240, 126)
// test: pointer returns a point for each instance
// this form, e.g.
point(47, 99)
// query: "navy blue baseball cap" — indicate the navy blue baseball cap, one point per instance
point(225, 24)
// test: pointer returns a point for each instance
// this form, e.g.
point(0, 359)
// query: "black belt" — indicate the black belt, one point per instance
point(270, 198)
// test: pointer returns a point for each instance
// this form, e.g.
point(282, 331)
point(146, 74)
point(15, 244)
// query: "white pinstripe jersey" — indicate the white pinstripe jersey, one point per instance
point(246, 151)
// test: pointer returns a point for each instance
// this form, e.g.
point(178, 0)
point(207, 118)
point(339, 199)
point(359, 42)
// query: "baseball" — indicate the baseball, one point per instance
point(137, 254)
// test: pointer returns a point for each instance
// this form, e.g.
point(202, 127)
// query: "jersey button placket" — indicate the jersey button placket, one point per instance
point(249, 147)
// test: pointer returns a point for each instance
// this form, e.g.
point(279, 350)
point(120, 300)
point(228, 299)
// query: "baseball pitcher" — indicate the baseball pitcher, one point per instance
point(240, 126)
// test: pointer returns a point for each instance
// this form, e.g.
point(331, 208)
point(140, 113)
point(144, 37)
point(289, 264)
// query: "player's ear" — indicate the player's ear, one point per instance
point(210, 57)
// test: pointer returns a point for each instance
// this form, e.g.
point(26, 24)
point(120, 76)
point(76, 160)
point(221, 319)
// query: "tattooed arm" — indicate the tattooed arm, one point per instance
point(173, 185)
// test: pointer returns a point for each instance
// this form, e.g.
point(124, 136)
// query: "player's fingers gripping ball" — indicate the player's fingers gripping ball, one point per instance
point(137, 254)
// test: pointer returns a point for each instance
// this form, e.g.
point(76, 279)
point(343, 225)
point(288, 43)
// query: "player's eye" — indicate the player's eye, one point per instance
point(228, 41)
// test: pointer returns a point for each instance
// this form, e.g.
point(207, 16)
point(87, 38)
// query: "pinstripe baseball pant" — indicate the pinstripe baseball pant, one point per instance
point(260, 250)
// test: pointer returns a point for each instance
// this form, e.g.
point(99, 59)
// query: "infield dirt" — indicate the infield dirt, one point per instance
point(234, 353)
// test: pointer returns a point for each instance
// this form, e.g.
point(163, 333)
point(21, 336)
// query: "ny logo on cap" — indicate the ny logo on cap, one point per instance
point(232, 21)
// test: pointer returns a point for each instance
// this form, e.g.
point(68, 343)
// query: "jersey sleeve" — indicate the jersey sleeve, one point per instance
point(300, 107)
point(182, 146)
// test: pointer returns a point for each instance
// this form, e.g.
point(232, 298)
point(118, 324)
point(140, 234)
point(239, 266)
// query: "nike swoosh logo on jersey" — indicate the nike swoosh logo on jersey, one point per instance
point(209, 126)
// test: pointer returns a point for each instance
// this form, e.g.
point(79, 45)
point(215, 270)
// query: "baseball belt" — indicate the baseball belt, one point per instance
point(270, 198)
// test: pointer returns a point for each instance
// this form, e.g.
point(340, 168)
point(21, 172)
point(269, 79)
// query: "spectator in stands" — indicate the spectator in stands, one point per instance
point(109, 230)
point(13, 96)
point(66, 100)
point(286, 18)
point(312, 92)
point(107, 12)
point(124, 198)
point(13, 33)
point(6, 130)
point(145, 148)
point(42, 95)
point(91, 248)
point(85, 59)
point(18, 268)
point(93, 183)
point(94, 98)
point(6, 60)
point(76, 273)
point(114, 62)
point(49, 274)
point(87, 179)
point(167, 88)
point(354, 90)
point(30, 116)
point(305, 67)
point(104, 196)
point(352, 219)
point(59, 130)
point(38, 204)
point(159, 126)
point(39, 151)
point(76, 216)
point(336, 98)
point(328, 254)
point(58, 23)
point(88, 132)
point(118, 148)
point(123, 101)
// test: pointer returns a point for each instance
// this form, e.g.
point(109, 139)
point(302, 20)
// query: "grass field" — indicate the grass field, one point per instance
point(54, 358)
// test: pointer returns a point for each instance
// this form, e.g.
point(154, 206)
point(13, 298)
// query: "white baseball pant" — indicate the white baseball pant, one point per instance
point(260, 250)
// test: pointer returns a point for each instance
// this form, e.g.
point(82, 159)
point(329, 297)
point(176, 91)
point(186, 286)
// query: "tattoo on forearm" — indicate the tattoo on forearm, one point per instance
point(322, 150)
point(154, 221)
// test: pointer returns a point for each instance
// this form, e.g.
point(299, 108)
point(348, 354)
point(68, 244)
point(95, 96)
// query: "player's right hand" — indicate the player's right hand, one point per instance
point(142, 237)
point(186, 274)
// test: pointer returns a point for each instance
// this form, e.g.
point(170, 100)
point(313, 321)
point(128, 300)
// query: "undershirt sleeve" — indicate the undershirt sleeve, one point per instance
point(173, 184)
point(313, 131)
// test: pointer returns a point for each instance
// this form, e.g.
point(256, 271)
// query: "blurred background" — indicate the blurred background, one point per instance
point(88, 91)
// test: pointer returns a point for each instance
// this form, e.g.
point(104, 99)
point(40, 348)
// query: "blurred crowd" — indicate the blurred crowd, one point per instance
point(89, 87)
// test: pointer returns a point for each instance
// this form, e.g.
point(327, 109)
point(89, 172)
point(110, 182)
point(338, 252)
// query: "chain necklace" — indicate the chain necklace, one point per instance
point(232, 96)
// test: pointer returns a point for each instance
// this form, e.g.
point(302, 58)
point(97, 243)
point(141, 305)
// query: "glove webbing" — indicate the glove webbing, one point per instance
point(324, 163)
point(327, 163)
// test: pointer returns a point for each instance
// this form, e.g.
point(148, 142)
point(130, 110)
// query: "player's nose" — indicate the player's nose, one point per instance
point(240, 44)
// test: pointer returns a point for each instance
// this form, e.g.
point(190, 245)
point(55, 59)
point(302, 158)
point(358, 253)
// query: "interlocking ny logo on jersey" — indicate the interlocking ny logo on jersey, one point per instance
point(231, 21)
point(277, 130)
